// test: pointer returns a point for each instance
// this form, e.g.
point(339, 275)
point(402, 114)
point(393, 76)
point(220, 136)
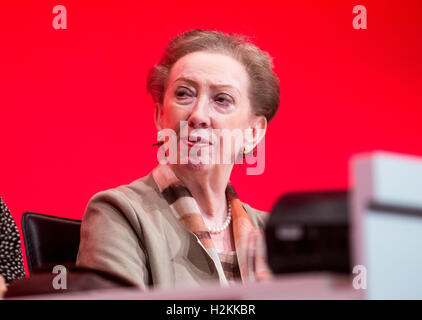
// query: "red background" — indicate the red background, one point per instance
point(75, 117)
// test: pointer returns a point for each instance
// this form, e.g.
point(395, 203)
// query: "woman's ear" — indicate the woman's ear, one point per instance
point(158, 115)
point(259, 127)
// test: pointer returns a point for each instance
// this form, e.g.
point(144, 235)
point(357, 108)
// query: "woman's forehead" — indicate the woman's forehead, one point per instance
point(212, 69)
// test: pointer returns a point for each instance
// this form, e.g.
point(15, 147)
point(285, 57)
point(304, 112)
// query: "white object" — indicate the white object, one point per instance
point(386, 223)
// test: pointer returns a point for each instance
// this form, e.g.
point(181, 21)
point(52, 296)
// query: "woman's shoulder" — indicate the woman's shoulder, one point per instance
point(113, 231)
point(137, 191)
point(139, 197)
point(259, 218)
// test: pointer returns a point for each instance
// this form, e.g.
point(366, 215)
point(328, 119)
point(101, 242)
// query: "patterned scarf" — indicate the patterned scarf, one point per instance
point(248, 240)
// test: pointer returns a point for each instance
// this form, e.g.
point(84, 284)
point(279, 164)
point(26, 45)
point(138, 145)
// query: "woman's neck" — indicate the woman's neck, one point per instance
point(208, 188)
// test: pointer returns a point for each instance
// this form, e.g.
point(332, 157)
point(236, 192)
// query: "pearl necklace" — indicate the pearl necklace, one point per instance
point(226, 223)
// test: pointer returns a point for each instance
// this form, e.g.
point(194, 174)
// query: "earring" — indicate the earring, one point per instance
point(159, 139)
point(247, 152)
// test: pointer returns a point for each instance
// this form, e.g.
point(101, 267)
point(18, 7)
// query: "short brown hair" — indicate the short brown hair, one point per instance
point(264, 91)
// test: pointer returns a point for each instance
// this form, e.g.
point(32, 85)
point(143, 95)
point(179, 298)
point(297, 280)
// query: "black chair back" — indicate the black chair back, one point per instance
point(49, 239)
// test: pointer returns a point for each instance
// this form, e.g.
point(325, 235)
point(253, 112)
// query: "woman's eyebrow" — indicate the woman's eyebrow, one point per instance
point(193, 82)
point(228, 86)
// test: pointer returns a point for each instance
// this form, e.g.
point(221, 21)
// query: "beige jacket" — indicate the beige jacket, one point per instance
point(132, 232)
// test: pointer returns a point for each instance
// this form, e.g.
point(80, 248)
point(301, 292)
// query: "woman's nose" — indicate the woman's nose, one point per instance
point(200, 115)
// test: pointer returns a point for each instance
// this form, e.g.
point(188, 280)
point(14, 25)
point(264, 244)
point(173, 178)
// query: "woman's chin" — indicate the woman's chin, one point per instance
point(196, 165)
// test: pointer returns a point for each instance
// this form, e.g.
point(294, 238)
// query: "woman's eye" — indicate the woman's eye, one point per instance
point(183, 93)
point(224, 100)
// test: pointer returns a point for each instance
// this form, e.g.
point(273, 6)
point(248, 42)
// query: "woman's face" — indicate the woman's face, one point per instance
point(209, 91)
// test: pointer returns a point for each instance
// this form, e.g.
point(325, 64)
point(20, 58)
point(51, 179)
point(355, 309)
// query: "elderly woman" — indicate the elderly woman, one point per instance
point(183, 224)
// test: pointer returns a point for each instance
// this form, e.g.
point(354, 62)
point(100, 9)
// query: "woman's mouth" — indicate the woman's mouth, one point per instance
point(198, 142)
